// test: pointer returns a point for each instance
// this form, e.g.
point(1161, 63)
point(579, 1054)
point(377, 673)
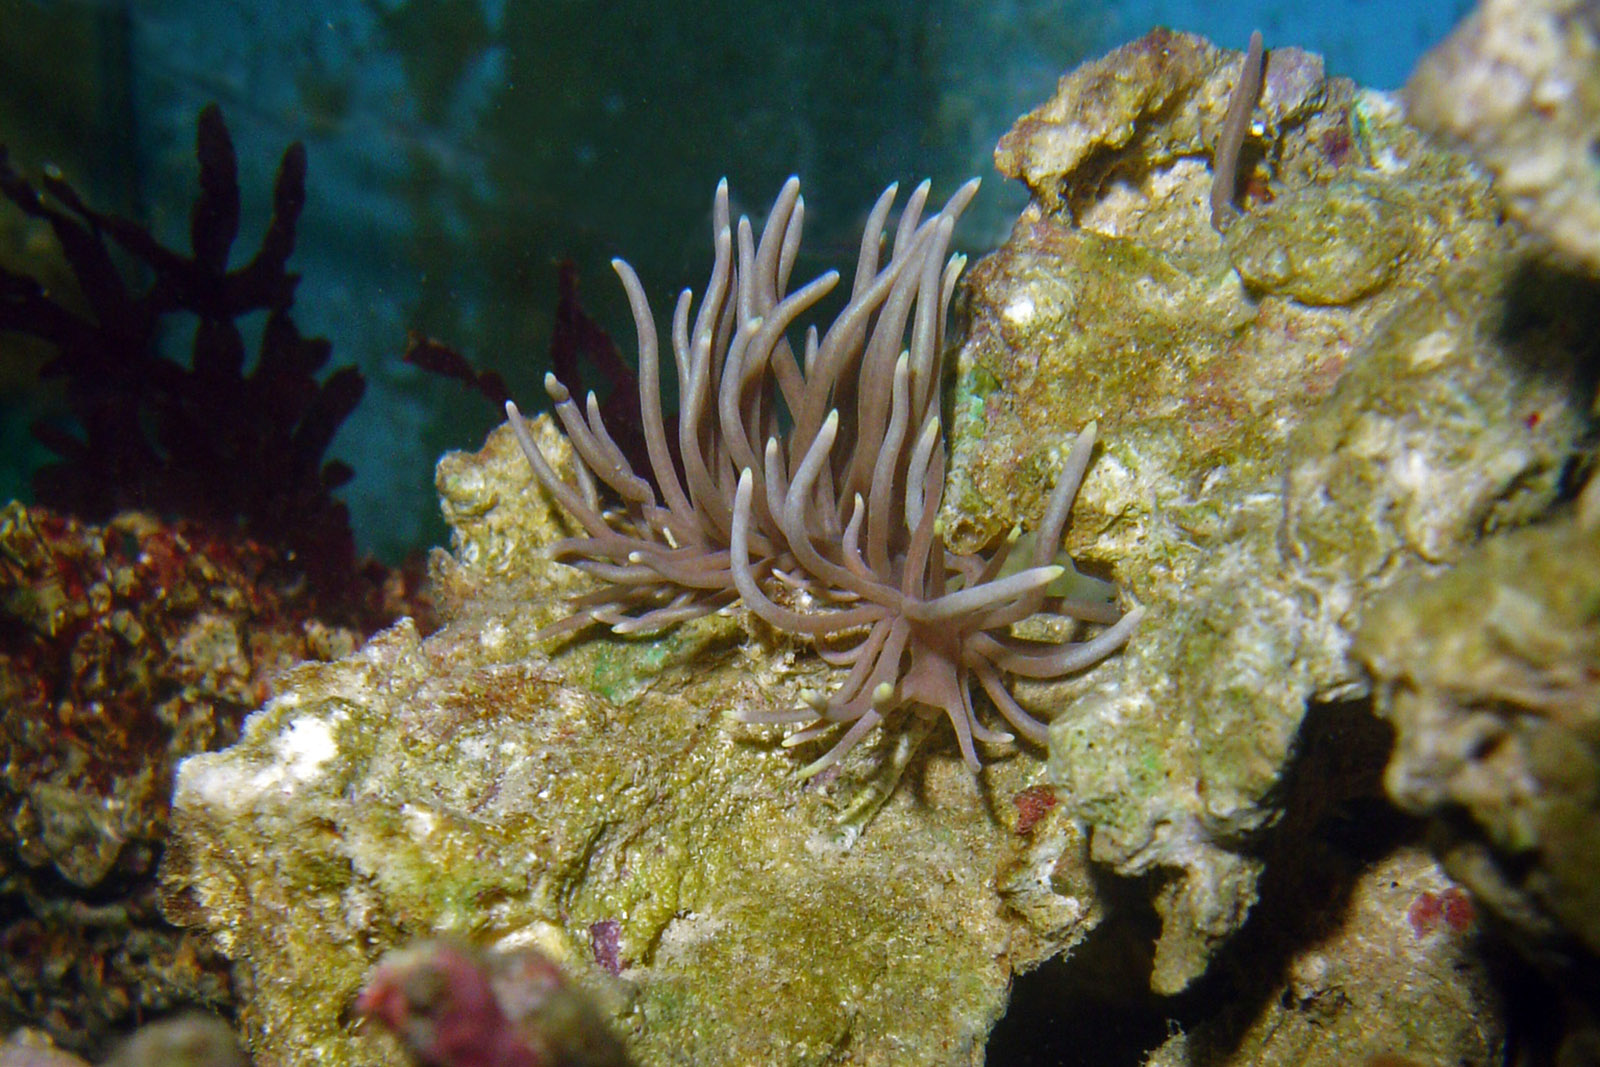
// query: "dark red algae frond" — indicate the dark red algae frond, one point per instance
point(828, 531)
point(214, 437)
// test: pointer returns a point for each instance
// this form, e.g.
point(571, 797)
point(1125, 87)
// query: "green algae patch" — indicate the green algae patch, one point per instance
point(1325, 245)
point(619, 668)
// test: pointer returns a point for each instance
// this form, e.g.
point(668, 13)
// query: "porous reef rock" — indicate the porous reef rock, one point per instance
point(1490, 674)
point(1394, 977)
point(1518, 82)
point(597, 803)
point(124, 647)
point(1345, 387)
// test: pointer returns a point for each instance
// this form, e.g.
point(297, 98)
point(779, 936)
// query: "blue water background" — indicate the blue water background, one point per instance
point(459, 147)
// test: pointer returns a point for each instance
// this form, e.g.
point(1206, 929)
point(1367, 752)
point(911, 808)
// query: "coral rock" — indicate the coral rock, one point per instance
point(1294, 415)
point(600, 804)
point(1490, 674)
point(1519, 83)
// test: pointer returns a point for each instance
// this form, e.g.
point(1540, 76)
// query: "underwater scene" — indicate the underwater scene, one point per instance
point(577, 534)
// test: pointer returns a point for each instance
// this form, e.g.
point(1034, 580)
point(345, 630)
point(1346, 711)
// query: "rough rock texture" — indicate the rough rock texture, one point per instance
point(123, 648)
point(1398, 979)
point(127, 646)
point(1491, 676)
point(1519, 83)
point(1293, 417)
point(1350, 388)
point(599, 804)
point(186, 1040)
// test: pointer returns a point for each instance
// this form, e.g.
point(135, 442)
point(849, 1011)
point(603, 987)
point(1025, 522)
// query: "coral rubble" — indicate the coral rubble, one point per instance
point(123, 648)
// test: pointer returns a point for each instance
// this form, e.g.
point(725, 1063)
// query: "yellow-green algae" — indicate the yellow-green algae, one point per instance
point(1331, 246)
point(1292, 416)
point(473, 784)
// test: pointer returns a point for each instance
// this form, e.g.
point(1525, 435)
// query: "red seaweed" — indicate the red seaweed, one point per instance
point(204, 438)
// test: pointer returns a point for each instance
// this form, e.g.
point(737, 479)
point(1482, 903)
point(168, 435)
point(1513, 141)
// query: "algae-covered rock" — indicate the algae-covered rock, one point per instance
point(1294, 415)
point(599, 805)
point(1397, 979)
point(124, 647)
point(1519, 83)
point(1490, 673)
point(1329, 245)
point(1146, 105)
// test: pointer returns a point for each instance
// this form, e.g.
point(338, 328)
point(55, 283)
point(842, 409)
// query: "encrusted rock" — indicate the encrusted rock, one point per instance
point(1294, 415)
point(1294, 418)
point(1519, 83)
point(1397, 979)
point(599, 804)
point(1490, 674)
point(123, 648)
